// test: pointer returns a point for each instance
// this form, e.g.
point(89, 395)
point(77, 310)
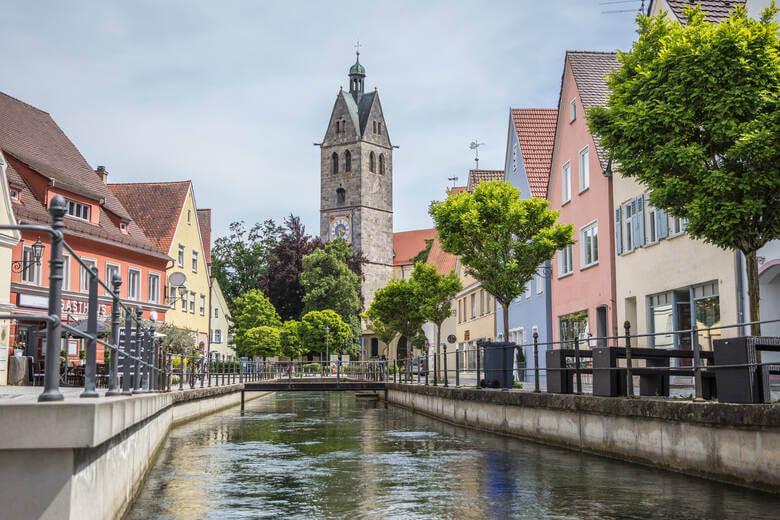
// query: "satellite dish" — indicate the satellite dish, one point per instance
point(177, 279)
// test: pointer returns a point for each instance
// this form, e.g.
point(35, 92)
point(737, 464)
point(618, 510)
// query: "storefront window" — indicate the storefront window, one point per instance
point(662, 319)
point(574, 325)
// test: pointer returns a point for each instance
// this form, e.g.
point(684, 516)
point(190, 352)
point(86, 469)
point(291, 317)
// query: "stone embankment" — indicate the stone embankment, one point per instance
point(732, 443)
point(85, 459)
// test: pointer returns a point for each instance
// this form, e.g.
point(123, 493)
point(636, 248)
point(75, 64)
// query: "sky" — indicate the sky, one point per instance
point(233, 94)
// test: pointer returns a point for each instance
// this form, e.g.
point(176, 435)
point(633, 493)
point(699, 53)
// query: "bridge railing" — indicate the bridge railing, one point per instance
point(607, 365)
point(338, 370)
point(137, 360)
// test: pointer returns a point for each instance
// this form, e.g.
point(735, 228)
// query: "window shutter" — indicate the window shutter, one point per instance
point(640, 207)
point(618, 232)
point(661, 224)
point(635, 241)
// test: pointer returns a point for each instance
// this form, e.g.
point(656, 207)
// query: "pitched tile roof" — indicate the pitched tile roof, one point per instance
point(714, 10)
point(477, 176)
point(457, 189)
point(32, 136)
point(155, 206)
point(204, 220)
point(407, 244)
point(590, 69)
point(535, 129)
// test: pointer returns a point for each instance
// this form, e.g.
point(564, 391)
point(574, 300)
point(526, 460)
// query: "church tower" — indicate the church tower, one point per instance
point(356, 180)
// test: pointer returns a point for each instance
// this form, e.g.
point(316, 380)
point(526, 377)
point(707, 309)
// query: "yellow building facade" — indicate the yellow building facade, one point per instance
point(475, 316)
point(221, 339)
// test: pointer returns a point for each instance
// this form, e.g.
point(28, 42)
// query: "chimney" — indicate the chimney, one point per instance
point(102, 173)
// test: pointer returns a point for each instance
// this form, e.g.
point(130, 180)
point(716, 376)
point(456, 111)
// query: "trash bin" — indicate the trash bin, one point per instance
point(498, 365)
point(741, 384)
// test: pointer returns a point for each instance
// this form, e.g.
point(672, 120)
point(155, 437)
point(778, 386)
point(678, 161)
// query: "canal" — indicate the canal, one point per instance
point(328, 455)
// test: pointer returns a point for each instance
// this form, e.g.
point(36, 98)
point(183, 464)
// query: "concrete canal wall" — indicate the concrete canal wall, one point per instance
point(84, 459)
point(726, 442)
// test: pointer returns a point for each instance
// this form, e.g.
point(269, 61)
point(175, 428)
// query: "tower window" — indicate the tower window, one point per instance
point(335, 161)
point(338, 126)
point(382, 163)
point(371, 162)
point(379, 128)
point(347, 161)
point(374, 126)
point(341, 196)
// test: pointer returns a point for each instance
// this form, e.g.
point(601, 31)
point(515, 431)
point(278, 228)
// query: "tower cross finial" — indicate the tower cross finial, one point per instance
point(357, 48)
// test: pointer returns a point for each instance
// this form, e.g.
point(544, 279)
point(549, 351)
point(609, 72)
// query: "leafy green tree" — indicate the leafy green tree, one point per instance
point(337, 340)
point(263, 341)
point(435, 291)
point(382, 331)
point(398, 306)
point(290, 340)
point(329, 283)
point(251, 310)
point(177, 340)
point(694, 115)
point(500, 239)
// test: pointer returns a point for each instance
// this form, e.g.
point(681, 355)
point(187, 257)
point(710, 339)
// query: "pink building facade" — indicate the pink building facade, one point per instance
point(583, 275)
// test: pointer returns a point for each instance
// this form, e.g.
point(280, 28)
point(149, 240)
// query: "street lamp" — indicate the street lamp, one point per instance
point(37, 253)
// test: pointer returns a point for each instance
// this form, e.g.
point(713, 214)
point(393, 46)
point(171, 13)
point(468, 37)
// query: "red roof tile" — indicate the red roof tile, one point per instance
point(535, 129)
point(155, 206)
point(714, 10)
point(457, 189)
point(477, 176)
point(408, 244)
point(204, 220)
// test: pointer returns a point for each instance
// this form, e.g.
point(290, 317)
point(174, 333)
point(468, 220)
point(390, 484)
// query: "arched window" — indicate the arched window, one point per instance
point(371, 162)
point(347, 161)
point(382, 163)
point(335, 161)
point(341, 196)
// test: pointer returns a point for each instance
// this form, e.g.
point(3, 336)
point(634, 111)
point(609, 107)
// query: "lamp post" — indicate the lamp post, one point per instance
point(37, 248)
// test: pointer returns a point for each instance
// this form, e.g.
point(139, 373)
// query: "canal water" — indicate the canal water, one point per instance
point(329, 455)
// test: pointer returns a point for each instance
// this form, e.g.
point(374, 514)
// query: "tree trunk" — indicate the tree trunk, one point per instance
point(506, 321)
point(751, 263)
point(438, 347)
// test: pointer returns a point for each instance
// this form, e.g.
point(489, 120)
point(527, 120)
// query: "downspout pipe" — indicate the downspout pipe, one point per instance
point(740, 292)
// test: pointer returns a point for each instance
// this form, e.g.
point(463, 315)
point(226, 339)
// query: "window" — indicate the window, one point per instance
point(678, 226)
point(381, 164)
point(371, 161)
point(202, 304)
point(589, 245)
point(584, 170)
point(84, 275)
point(574, 325)
point(172, 297)
point(539, 283)
point(651, 225)
point(374, 126)
point(488, 303)
point(189, 217)
point(629, 239)
point(216, 312)
point(347, 161)
point(379, 128)
point(192, 302)
point(566, 183)
point(341, 196)
point(473, 305)
point(154, 288)
point(65, 272)
point(184, 302)
point(527, 291)
point(514, 157)
point(133, 284)
point(78, 210)
point(194, 261)
point(334, 159)
point(32, 272)
point(123, 227)
point(111, 270)
point(481, 303)
point(572, 110)
point(14, 194)
point(564, 261)
point(662, 319)
point(217, 336)
point(181, 255)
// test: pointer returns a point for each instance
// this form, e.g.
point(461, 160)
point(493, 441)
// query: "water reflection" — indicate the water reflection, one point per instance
point(321, 455)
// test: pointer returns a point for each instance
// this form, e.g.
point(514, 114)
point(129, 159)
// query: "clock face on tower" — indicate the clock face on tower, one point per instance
point(339, 228)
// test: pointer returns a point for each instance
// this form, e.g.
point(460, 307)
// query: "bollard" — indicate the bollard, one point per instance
point(577, 373)
point(457, 366)
point(697, 364)
point(629, 375)
point(113, 363)
point(51, 377)
point(137, 351)
point(126, 360)
point(446, 379)
point(536, 362)
point(478, 345)
point(90, 371)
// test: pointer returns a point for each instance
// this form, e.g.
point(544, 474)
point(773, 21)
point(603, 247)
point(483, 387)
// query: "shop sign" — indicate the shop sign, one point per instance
point(81, 308)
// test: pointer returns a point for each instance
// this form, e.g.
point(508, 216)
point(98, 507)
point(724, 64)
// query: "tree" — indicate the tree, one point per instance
point(290, 340)
point(500, 239)
point(329, 283)
point(284, 264)
point(398, 306)
point(322, 331)
point(177, 340)
point(694, 115)
point(435, 291)
point(382, 331)
point(262, 341)
point(251, 310)
point(238, 261)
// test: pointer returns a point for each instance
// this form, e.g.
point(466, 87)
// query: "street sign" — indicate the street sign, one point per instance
point(451, 338)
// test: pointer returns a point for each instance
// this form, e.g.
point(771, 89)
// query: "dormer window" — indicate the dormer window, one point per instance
point(78, 210)
point(14, 194)
point(123, 227)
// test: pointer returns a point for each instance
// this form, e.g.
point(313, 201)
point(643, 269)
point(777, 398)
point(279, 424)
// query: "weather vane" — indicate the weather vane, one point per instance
point(357, 48)
point(475, 144)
